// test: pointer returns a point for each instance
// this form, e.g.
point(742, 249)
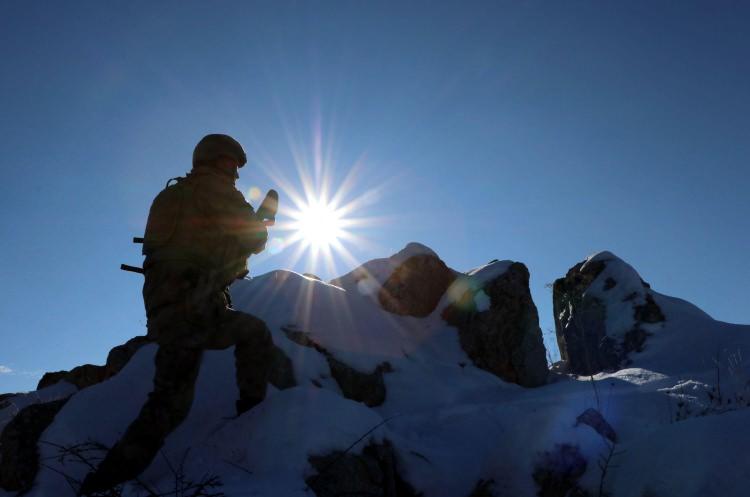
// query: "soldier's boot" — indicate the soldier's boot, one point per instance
point(167, 406)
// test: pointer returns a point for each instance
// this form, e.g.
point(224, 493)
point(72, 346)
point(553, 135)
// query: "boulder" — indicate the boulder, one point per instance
point(119, 356)
point(91, 374)
point(80, 376)
point(484, 488)
point(282, 370)
point(505, 338)
point(416, 286)
point(603, 312)
point(373, 473)
point(367, 388)
point(408, 283)
point(5, 399)
point(19, 455)
point(556, 472)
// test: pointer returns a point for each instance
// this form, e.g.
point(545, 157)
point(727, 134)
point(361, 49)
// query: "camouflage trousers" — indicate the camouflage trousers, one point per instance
point(183, 330)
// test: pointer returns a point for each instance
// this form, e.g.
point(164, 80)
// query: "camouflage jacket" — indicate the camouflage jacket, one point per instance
point(204, 221)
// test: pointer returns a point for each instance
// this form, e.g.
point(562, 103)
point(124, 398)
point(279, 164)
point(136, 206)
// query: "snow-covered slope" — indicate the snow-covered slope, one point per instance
point(681, 430)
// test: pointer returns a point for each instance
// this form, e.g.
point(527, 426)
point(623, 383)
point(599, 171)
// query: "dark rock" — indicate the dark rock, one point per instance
point(557, 472)
point(282, 370)
point(630, 297)
point(634, 340)
point(373, 473)
point(302, 338)
point(649, 312)
point(593, 418)
point(368, 388)
point(583, 342)
point(119, 356)
point(19, 456)
point(90, 374)
point(484, 488)
point(415, 287)
point(580, 351)
point(580, 321)
point(506, 339)
point(5, 399)
point(80, 376)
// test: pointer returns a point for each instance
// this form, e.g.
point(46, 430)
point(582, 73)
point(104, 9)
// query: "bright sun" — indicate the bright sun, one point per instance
point(320, 218)
point(318, 224)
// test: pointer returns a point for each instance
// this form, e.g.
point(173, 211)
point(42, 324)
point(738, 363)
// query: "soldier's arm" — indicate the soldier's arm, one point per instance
point(242, 222)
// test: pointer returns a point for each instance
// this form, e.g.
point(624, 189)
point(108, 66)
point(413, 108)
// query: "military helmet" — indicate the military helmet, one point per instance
point(211, 147)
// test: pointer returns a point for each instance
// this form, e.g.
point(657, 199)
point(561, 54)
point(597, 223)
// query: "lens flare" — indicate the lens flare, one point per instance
point(254, 194)
point(275, 245)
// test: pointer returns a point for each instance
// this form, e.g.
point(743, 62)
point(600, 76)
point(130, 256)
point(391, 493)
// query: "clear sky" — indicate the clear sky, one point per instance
point(534, 131)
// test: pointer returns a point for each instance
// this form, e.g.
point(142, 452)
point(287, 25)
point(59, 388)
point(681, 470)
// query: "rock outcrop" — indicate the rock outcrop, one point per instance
point(504, 339)
point(19, 455)
point(368, 388)
point(282, 370)
point(416, 286)
point(556, 472)
point(373, 472)
point(603, 312)
point(91, 374)
point(5, 399)
point(409, 283)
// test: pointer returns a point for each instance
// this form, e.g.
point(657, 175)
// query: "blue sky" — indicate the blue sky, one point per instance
point(539, 132)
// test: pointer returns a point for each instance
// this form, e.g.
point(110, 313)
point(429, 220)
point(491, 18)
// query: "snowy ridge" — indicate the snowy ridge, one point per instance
point(450, 423)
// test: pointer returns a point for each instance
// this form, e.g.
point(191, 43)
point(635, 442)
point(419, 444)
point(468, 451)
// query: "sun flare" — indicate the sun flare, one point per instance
point(318, 224)
point(323, 209)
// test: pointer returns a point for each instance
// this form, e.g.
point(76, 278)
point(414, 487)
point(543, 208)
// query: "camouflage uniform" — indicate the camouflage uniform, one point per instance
point(198, 238)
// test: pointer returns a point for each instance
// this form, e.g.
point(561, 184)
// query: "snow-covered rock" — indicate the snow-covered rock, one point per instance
point(498, 323)
point(603, 312)
point(394, 400)
point(91, 374)
point(408, 283)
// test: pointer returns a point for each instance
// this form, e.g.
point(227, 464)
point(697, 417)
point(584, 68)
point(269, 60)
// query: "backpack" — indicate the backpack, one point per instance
point(165, 214)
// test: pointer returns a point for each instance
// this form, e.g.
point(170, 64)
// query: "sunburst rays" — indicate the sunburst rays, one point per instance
point(320, 218)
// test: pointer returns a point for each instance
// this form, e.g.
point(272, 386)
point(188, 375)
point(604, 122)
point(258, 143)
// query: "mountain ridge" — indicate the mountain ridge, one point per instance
point(433, 398)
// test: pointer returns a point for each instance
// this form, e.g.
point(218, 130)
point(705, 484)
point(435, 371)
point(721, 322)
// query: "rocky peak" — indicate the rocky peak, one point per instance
point(408, 283)
point(603, 312)
point(498, 323)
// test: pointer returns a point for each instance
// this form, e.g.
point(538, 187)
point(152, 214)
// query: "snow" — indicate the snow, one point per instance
point(450, 423)
point(100, 413)
point(620, 300)
point(489, 271)
point(473, 281)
